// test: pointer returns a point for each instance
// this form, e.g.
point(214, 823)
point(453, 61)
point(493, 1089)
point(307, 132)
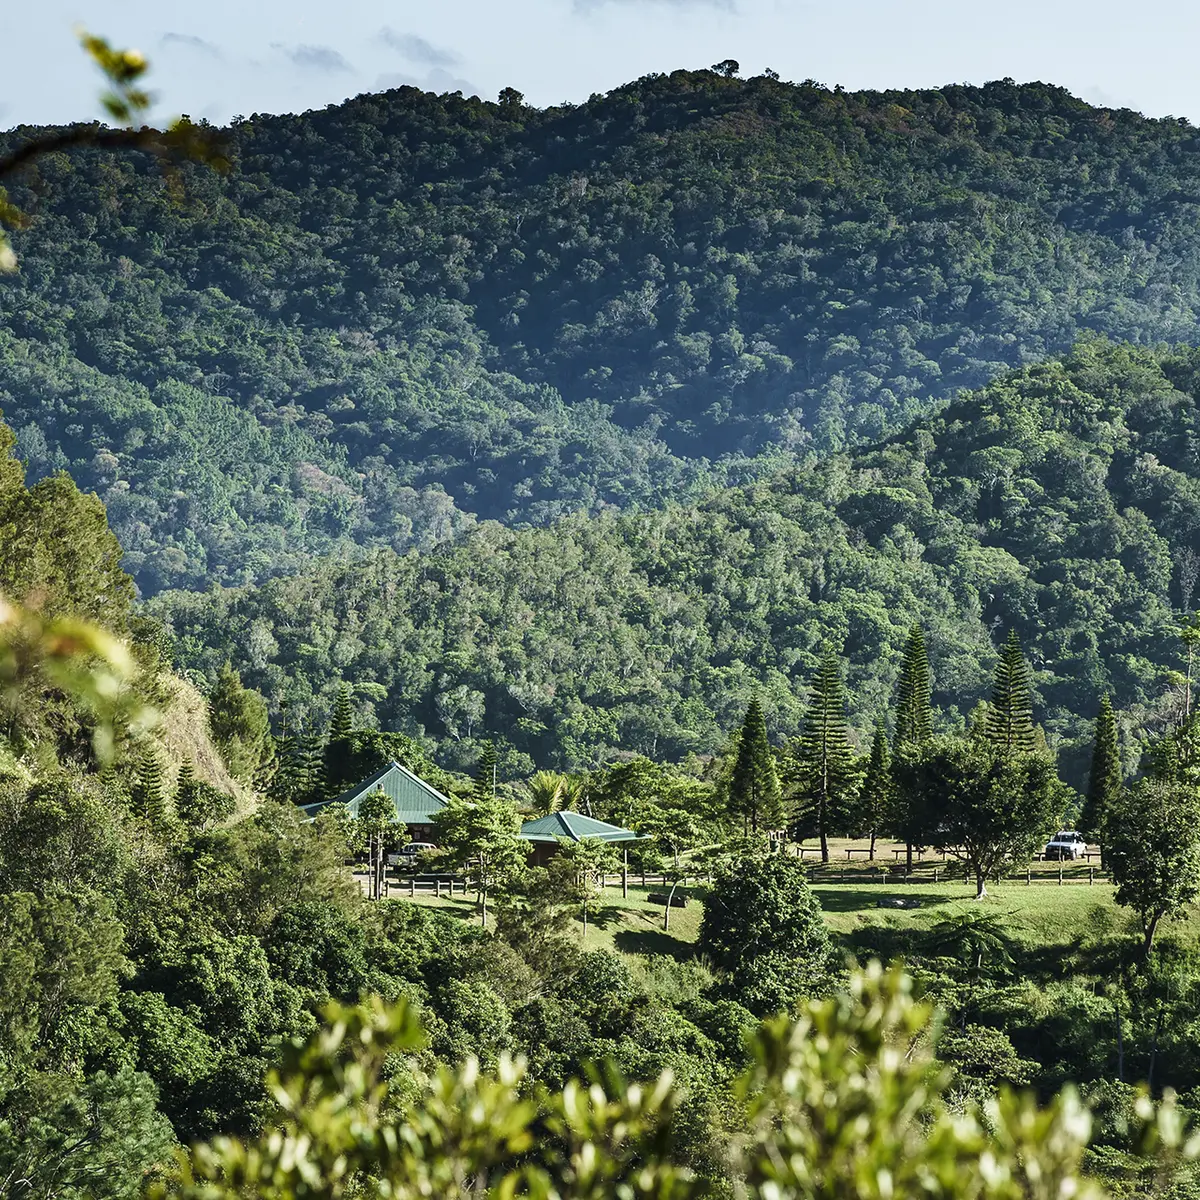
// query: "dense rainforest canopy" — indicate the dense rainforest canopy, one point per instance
point(1062, 501)
point(407, 312)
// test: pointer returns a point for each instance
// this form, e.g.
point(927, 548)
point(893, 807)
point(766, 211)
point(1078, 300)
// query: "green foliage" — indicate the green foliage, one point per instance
point(1009, 719)
point(822, 776)
point(479, 834)
point(547, 792)
point(914, 691)
point(341, 1132)
point(148, 795)
point(988, 807)
point(649, 633)
point(485, 775)
point(240, 723)
point(764, 928)
point(76, 1140)
point(198, 804)
point(1106, 778)
point(848, 1099)
point(875, 802)
point(1152, 849)
point(278, 367)
point(754, 791)
point(340, 757)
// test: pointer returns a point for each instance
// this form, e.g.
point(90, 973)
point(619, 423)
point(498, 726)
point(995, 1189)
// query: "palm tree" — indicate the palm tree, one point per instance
point(547, 792)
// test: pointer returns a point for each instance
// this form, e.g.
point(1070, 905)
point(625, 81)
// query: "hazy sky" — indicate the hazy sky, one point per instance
point(214, 58)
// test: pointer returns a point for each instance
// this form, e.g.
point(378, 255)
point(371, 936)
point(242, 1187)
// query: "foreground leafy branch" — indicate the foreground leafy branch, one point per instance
point(845, 1100)
point(127, 103)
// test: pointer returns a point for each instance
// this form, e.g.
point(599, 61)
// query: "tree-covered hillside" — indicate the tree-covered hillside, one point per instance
point(1062, 501)
point(408, 311)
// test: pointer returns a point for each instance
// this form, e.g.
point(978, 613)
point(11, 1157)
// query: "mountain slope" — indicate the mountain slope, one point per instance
point(412, 310)
point(1063, 501)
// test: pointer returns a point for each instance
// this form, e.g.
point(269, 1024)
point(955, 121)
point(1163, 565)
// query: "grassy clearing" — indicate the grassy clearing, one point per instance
point(630, 925)
point(872, 914)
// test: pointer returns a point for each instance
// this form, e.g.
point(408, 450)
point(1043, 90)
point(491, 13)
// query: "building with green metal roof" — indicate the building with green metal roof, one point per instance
point(547, 832)
point(415, 800)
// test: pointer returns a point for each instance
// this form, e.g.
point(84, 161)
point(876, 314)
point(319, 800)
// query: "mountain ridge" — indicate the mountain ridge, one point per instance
point(439, 310)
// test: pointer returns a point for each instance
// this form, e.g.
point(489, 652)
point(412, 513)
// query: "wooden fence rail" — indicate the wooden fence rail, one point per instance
point(395, 884)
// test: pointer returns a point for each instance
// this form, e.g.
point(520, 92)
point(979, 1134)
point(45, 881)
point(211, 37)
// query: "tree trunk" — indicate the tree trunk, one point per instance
point(1148, 941)
point(909, 847)
point(821, 829)
point(872, 854)
point(980, 885)
point(482, 905)
point(1154, 1050)
point(1120, 1050)
point(667, 907)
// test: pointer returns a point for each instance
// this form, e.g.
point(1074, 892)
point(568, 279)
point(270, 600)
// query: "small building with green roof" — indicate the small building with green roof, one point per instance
point(416, 801)
point(546, 833)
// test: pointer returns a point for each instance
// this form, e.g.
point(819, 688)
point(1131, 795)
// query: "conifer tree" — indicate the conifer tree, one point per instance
point(187, 794)
point(148, 795)
point(875, 798)
point(288, 782)
point(823, 778)
point(338, 758)
point(1010, 714)
point(240, 724)
point(485, 774)
point(754, 791)
point(914, 728)
point(312, 768)
point(1106, 778)
point(914, 692)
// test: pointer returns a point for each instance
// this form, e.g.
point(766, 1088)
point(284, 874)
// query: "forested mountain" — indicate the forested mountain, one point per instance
point(1062, 501)
point(404, 312)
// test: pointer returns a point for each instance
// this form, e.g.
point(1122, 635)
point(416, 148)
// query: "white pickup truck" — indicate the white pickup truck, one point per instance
point(1067, 843)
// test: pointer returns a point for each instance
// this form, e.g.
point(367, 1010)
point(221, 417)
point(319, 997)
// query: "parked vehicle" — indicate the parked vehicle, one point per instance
point(417, 848)
point(1066, 844)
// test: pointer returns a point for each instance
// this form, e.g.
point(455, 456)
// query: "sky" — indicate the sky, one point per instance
point(217, 58)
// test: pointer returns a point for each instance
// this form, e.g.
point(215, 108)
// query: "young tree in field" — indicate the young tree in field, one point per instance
point(480, 836)
point(379, 830)
point(754, 792)
point(876, 794)
point(822, 774)
point(914, 693)
point(989, 809)
point(1152, 837)
point(1010, 713)
point(590, 859)
point(1106, 778)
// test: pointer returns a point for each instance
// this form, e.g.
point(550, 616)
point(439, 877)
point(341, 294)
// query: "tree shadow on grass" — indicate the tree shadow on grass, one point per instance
point(653, 941)
point(876, 900)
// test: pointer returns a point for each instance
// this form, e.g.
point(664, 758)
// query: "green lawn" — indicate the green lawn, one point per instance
point(870, 912)
point(631, 925)
point(864, 916)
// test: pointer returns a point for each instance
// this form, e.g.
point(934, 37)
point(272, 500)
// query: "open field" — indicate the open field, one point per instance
point(866, 917)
